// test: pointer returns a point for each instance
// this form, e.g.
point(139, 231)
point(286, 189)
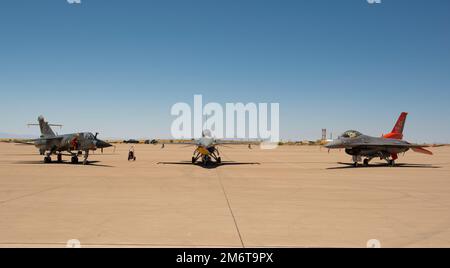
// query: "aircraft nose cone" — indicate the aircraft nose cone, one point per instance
point(102, 144)
point(205, 142)
point(334, 144)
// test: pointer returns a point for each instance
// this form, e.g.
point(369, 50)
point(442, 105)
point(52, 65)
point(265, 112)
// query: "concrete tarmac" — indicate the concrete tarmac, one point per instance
point(294, 196)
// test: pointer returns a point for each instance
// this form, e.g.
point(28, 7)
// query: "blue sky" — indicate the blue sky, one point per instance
point(117, 66)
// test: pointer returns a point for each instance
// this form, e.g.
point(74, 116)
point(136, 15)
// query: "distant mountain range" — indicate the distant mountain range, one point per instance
point(4, 135)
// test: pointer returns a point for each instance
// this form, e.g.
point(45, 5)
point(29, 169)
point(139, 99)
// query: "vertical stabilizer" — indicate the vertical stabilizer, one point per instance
point(397, 131)
point(46, 130)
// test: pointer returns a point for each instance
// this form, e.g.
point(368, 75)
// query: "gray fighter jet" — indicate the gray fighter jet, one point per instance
point(206, 148)
point(75, 143)
point(386, 147)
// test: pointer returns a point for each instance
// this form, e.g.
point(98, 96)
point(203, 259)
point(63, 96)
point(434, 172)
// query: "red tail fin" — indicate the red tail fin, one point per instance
point(397, 131)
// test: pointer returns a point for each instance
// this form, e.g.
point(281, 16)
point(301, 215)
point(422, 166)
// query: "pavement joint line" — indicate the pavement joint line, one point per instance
point(63, 244)
point(31, 194)
point(229, 207)
point(2, 202)
point(4, 244)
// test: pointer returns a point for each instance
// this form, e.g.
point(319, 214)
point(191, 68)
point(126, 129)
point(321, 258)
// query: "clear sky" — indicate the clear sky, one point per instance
point(117, 66)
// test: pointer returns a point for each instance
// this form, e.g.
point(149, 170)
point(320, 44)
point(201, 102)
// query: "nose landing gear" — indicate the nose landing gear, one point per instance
point(47, 159)
point(206, 159)
point(366, 161)
point(356, 159)
point(86, 155)
point(74, 159)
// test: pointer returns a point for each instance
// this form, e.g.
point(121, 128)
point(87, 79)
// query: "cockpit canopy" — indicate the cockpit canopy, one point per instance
point(89, 136)
point(351, 134)
point(206, 133)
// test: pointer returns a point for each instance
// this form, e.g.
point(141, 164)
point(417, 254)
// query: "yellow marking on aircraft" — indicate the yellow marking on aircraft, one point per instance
point(203, 151)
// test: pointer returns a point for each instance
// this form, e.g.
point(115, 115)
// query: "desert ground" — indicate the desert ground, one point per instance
point(293, 196)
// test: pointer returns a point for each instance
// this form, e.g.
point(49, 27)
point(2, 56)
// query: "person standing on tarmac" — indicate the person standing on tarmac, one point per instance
point(131, 154)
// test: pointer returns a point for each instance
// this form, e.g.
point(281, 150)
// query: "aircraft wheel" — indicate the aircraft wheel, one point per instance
point(366, 162)
point(355, 164)
point(392, 163)
point(219, 160)
point(85, 162)
point(47, 159)
point(59, 158)
point(74, 160)
point(193, 160)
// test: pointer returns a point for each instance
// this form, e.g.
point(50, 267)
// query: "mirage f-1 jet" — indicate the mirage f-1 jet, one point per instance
point(75, 143)
point(386, 147)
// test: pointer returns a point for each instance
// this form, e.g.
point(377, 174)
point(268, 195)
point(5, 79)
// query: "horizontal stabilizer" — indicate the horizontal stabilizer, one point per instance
point(421, 150)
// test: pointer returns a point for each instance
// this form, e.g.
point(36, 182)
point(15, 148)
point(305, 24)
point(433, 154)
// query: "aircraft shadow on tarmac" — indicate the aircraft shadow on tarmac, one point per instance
point(375, 165)
point(210, 165)
point(35, 162)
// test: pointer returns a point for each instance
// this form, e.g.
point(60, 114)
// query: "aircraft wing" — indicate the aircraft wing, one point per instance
point(48, 138)
point(187, 142)
point(216, 142)
point(372, 144)
point(389, 145)
point(415, 147)
point(235, 142)
point(33, 141)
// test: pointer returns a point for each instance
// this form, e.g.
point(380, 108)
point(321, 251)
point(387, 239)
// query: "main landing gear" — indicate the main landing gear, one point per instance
point(357, 158)
point(48, 158)
point(366, 161)
point(73, 159)
point(391, 160)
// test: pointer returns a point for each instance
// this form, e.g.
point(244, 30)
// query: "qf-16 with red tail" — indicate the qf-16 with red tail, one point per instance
point(386, 147)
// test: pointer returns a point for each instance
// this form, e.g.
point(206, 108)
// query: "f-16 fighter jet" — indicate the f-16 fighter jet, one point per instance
point(386, 147)
point(206, 148)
